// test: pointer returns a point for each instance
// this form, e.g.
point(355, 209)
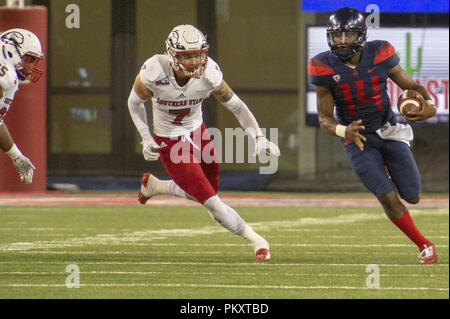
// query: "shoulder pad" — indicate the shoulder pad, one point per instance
point(213, 74)
point(8, 76)
point(317, 66)
point(152, 70)
point(384, 50)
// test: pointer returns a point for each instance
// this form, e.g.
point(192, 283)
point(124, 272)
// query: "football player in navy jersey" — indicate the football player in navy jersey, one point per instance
point(352, 77)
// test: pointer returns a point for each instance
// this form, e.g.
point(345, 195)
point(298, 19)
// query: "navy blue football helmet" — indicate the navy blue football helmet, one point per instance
point(346, 20)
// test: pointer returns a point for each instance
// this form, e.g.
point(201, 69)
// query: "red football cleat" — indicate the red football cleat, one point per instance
point(262, 254)
point(144, 194)
point(428, 255)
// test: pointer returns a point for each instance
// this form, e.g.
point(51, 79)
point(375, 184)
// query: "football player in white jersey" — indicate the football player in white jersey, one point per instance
point(20, 51)
point(177, 83)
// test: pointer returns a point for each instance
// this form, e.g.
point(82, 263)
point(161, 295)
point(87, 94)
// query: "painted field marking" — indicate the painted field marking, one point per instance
point(150, 235)
point(253, 200)
point(210, 263)
point(235, 245)
point(208, 273)
point(26, 252)
point(226, 286)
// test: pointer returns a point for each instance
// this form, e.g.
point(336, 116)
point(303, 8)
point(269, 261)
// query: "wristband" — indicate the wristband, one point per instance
point(147, 138)
point(340, 130)
point(14, 152)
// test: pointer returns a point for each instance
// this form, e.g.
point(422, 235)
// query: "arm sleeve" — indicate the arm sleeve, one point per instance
point(244, 116)
point(139, 116)
point(318, 80)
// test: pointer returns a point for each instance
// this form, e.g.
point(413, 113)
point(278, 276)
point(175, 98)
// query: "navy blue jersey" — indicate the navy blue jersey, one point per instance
point(359, 93)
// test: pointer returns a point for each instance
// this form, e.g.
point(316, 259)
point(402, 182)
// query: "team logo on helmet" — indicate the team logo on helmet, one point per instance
point(173, 40)
point(13, 37)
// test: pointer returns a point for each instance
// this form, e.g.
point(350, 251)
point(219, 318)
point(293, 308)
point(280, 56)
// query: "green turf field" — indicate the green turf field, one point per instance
point(180, 252)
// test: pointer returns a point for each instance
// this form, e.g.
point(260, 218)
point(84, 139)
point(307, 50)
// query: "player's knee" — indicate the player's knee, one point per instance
point(392, 206)
point(223, 214)
point(414, 200)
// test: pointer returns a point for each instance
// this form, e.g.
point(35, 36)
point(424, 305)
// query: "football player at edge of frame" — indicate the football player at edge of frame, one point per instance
point(177, 82)
point(352, 76)
point(20, 52)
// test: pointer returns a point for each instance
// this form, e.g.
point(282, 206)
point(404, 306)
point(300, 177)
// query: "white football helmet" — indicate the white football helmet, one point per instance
point(187, 50)
point(23, 49)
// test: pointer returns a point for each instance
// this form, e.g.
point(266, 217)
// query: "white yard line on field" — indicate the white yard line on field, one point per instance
point(96, 252)
point(177, 273)
point(139, 237)
point(209, 263)
point(227, 286)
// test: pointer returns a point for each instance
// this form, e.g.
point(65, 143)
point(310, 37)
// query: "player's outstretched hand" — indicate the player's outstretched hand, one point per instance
point(264, 145)
point(428, 110)
point(352, 133)
point(25, 168)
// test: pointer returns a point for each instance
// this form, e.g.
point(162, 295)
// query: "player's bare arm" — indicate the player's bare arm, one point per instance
point(325, 108)
point(6, 141)
point(141, 89)
point(223, 92)
point(405, 82)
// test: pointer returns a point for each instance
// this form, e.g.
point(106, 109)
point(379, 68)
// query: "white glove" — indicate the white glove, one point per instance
point(264, 145)
point(25, 168)
point(149, 149)
point(22, 164)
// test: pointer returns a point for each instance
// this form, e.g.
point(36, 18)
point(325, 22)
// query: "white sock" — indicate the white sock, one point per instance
point(175, 190)
point(168, 187)
point(226, 216)
point(248, 233)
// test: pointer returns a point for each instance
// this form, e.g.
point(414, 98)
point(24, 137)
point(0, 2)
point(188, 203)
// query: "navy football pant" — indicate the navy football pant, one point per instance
point(370, 163)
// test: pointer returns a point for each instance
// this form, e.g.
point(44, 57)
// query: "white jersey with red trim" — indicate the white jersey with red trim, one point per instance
point(177, 110)
point(9, 84)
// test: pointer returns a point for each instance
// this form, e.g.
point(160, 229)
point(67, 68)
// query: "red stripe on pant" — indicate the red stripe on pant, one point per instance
point(187, 167)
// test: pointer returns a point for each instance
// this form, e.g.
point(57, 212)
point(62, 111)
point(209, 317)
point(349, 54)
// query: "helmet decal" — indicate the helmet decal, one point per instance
point(173, 39)
point(13, 37)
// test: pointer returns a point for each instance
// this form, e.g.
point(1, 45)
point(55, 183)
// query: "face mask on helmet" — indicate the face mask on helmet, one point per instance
point(27, 68)
point(346, 33)
point(187, 50)
point(344, 44)
point(23, 49)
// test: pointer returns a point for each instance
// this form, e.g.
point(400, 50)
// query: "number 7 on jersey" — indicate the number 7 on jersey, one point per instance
point(180, 114)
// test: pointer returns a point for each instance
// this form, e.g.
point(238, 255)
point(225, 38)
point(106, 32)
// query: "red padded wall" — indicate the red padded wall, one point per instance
point(26, 117)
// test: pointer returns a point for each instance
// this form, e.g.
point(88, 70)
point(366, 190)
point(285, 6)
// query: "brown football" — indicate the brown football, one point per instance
point(408, 101)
